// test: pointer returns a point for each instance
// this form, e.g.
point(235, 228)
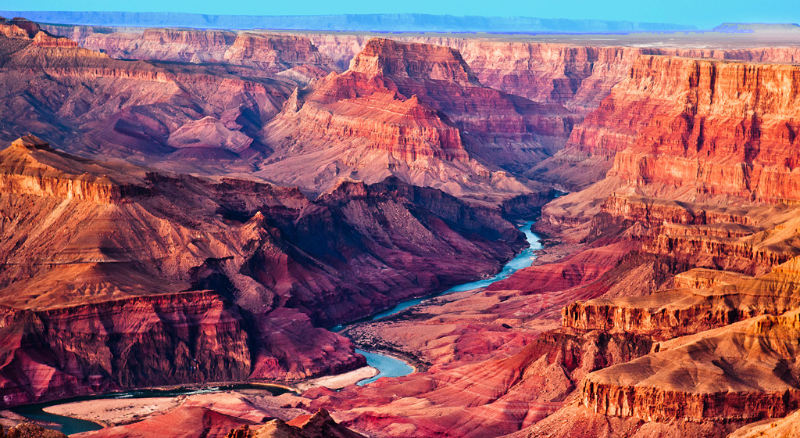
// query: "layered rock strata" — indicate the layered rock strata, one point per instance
point(138, 278)
point(708, 127)
point(738, 374)
point(409, 110)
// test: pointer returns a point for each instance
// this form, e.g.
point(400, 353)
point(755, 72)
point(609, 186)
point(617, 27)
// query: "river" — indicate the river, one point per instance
point(387, 366)
point(70, 425)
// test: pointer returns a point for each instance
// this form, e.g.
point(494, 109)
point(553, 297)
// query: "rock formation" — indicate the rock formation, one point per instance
point(709, 127)
point(189, 421)
point(319, 425)
point(270, 52)
point(28, 430)
point(664, 303)
point(115, 276)
point(385, 116)
point(722, 376)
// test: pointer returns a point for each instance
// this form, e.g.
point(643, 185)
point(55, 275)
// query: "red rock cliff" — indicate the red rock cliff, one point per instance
point(715, 127)
point(143, 341)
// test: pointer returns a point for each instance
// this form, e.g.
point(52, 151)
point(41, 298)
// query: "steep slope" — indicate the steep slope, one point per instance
point(268, 52)
point(727, 128)
point(723, 127)
point(92, 104)
point(743, 372)
point(115, 276)
point(408, 110)
point(500, 129)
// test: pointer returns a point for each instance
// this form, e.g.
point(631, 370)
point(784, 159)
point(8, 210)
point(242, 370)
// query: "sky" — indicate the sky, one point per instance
point(702, 13)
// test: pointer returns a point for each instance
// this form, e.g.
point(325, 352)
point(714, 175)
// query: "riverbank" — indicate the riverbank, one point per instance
point(124, 409)
point(339, 381)
point(114, 412)
point(385, 361)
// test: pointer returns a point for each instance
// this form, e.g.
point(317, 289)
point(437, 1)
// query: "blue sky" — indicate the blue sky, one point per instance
point(702, 13)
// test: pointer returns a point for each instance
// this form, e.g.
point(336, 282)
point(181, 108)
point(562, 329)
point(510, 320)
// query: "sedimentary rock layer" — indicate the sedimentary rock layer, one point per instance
point(737, 374)
point(179, 279)
point(711, 127)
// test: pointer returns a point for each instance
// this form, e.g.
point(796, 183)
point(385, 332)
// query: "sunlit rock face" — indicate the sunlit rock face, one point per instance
point(117, 276)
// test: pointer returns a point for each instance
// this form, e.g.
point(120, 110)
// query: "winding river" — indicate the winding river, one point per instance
point(387, 366)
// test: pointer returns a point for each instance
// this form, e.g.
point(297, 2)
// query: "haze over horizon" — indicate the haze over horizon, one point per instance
point(704, 15)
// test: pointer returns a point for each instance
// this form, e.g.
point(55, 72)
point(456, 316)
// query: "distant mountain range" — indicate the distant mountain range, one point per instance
point(372, 22)
point(757, 27)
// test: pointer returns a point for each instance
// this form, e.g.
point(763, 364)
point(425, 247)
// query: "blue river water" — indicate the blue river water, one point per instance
point(523, 260)
point(391, 367)
point(386, 365)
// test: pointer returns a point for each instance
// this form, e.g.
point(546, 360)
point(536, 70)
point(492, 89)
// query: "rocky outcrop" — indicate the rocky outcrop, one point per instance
point(209, 132)
point(712, 127)
point(185, 421)
point(95, 293)
point(420, 61)
point(319, 425)
point(736, 376)
point(21, 173)
point(20, 28)
point(389, 122)
point(782, 428)
point(507, 130)
point(130, 343)
point(275, 52)
point(29, 430)
point(749, 240)
point(44, 40)
point(653, 211)
point(216, 420)
point(700, 278)
point(684, 311)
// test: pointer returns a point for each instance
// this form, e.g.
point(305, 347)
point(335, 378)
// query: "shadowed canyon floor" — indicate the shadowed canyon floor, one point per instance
point(199, 206)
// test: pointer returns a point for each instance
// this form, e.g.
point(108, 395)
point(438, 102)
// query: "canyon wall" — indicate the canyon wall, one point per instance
point(732, 391)
point(232, 277)
point(130, 343)
point(576, 76)
point(711, 127)
point(416, 112)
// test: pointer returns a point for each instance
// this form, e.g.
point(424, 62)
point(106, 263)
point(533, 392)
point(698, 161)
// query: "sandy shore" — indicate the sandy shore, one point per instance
point(340, 380)
point(111, 412)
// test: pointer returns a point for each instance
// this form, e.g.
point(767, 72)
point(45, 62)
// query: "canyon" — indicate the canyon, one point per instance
point(237, 304)
point(204, 206)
